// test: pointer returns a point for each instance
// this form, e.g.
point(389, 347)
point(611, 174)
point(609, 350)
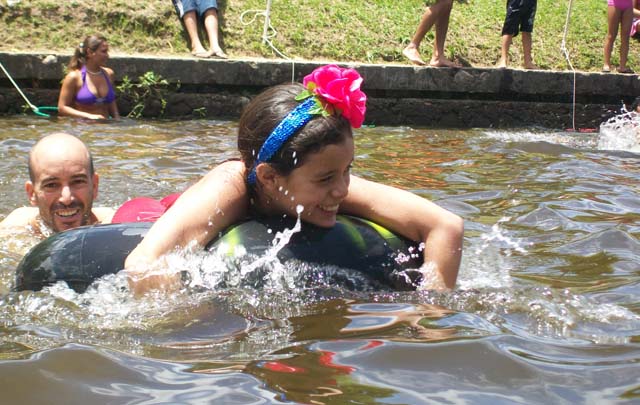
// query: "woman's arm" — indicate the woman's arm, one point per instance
point(113, 106)
point(413, 217)
point(67, 93)
point(217, 201)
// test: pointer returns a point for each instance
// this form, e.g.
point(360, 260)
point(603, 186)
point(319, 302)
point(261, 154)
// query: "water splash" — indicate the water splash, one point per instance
point(267, 292)
point(564, 138)
point(488, 262)
point(621, 132)
point(216, 269)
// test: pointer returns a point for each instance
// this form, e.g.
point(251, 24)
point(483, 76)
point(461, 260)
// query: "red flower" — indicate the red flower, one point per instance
point(339, 87)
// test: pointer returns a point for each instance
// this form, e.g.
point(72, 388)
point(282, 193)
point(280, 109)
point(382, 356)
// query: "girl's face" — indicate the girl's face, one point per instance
point(319, 185)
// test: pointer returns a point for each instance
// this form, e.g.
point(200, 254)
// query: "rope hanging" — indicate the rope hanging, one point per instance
point(36, 110)
point(563, 47)
point(268, 32)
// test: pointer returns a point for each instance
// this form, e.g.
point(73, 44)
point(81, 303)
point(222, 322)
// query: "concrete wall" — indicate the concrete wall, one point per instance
point(398, 95)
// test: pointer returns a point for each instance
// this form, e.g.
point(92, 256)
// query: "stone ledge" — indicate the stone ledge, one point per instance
point(399, 94)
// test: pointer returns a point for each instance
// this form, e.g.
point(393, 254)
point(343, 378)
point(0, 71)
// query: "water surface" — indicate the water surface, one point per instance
point(546, 310)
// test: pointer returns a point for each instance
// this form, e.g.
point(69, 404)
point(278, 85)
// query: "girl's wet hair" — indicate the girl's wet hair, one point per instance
point(266, 111)
point(79, 57)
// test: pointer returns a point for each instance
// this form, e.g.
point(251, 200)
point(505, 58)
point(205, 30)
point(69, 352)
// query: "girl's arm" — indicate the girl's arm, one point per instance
point(413, 217)
point(217, 201)
point(113, 106)
point(67, 93)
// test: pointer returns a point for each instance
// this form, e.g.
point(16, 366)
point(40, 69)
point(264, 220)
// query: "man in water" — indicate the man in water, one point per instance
point(61, 188)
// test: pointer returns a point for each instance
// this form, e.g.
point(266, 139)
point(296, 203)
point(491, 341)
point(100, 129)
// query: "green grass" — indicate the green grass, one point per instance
point(367, 31)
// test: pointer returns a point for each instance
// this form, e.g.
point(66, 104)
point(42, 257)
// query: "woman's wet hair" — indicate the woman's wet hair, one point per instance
point(79, 57)
point(267, 110)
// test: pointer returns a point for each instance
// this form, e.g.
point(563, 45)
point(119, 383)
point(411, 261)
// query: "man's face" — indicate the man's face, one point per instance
point(63, 188)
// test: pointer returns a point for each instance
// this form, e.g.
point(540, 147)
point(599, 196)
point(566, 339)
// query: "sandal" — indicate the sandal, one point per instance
point(204, 54)
point(219, 54)
point(626, 71)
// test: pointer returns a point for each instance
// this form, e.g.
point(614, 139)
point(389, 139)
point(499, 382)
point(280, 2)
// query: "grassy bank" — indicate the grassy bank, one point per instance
point(372, 31)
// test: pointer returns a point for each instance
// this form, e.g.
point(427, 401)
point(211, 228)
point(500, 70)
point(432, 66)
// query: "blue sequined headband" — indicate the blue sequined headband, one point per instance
point(289, 125)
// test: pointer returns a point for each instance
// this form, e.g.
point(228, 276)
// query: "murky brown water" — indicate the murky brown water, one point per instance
point(547, 308)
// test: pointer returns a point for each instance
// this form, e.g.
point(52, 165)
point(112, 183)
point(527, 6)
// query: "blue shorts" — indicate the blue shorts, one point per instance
point(200, 6)
point(520, 16)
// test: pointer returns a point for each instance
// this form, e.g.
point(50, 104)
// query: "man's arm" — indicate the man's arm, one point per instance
point(20, 218)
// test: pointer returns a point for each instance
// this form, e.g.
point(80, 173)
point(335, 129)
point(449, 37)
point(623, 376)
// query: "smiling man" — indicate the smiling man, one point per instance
point(61, 188)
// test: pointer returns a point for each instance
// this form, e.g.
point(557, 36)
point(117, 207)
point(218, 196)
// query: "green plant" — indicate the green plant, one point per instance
point(150, 86)
point(200, 112)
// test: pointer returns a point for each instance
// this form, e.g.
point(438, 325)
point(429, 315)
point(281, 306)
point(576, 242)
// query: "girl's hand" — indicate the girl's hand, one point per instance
point(142, 280)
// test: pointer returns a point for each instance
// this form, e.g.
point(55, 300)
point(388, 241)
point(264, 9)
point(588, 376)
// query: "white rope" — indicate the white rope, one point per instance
point(33, 107)
point(563, 47)
point(268, 32)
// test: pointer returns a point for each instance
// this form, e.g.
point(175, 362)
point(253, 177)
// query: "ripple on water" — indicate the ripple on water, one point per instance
point(545, 310)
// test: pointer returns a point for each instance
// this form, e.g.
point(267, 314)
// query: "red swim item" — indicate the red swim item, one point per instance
point(143, 209)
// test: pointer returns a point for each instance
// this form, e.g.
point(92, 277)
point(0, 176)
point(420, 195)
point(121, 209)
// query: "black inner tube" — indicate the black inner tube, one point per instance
point(82, 255)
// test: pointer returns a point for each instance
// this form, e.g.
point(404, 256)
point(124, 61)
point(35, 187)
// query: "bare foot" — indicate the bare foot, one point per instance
point(444, 62)
point(531, 66)
point(411, 53)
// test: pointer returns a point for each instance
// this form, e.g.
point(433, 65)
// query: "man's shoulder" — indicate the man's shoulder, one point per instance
point(20, 217)
point(103, 214)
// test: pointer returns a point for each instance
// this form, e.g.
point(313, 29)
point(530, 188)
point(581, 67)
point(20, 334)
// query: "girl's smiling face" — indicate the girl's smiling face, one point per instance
point(319, 185)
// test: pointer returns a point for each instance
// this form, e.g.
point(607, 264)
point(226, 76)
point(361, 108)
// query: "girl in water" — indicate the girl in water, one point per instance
point(87, 90)
point(296, 146)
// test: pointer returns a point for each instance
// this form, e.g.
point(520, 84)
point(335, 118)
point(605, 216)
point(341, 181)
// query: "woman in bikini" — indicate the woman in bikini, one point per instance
point(87, 90)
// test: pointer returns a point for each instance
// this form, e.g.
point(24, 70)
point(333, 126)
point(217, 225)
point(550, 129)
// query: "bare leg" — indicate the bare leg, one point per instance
point(442, 26)
point(625, 30)
point(211, 26)
point(504, 57)
point(411, 52)
point(526, 50)
point(613, 19)
point(191, 24)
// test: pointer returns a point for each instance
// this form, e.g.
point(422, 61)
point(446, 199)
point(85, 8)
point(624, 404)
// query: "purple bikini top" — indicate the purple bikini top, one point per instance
point(85, 96)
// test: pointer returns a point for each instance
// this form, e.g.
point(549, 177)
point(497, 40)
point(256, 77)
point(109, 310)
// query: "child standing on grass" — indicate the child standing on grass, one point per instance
point(619, 15)
point(635, 25)
point(519, 18)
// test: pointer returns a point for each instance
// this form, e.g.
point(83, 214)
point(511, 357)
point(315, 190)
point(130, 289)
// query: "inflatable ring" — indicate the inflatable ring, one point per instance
point(81, 255)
